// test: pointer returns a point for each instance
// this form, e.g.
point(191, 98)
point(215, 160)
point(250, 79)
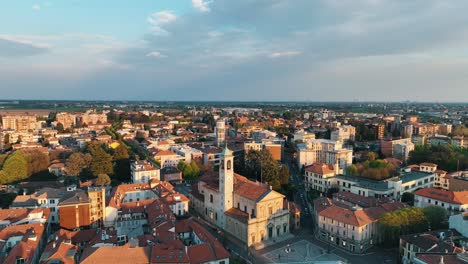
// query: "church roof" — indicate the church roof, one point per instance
point(237, 214)
point(244, 187)
point(248, 189)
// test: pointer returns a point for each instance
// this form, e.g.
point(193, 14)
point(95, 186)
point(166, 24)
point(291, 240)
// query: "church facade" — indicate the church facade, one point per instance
point(250, 211)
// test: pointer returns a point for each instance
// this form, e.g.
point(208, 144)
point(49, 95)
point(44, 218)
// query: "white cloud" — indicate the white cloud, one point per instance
point(155, 54)
point(289, 53)
point(158, 19)
point(161, 17)
point(200, 5)
point(36, 7)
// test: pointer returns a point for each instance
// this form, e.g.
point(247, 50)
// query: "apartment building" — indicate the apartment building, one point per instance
point(324, 151)
point(454, 202)
point(143, 171)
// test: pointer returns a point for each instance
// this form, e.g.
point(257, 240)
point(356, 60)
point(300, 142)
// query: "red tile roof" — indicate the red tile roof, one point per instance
point(321, 168)
point(444, 195)
point(116, 255)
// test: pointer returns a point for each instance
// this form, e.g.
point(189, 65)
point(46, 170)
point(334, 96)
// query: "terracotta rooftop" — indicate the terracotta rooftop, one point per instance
point(116, 255)
point(444, 195)
point(321, 168)
point(427, 164)
point(237, 214)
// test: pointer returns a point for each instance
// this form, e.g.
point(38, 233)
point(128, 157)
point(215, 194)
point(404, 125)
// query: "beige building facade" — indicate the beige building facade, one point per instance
point(250, 211)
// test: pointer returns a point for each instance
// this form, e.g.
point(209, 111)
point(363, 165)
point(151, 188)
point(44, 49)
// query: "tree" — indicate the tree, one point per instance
point(15, 168)
point(122, 162)
point(401, 222)
point(103, 179)
point(37, 162)
point(60, 127)
point(102, 161)
point(6, 141)
point(408, 198)
point(77, 162)
point(261, 166)
point(352, 170)
point(436, 216)
point(189, 171)
point(284, 175)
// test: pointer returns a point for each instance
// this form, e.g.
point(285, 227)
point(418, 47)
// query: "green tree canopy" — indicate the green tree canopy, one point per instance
point(103, 179)
point(436, 216)
point(77, 162)
point(102, 161)
point(401, 222)
point(15, 168)
point(445, 156)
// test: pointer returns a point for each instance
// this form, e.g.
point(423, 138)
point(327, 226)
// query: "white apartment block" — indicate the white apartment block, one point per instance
point(143, 172)
point(324, 151)
point(453, 202)
point(344, 134)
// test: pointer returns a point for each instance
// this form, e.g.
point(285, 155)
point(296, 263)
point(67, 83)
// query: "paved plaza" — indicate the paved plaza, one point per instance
point(302, 252)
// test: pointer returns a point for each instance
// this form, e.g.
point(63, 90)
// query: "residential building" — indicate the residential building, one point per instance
point(97, 203)
point(74, 212)
point(440, 258)
point(350, 228)
point(459, 222)
point(458, 181)
point(19, 123)
point(408, 181)
point(68, 120)
point(454, 202)
point(320, 177)
point(440, 241)
point(398, 148)
point(144, 171)
point(43, 198)
point(22, 244)
point(344, 134)
point(324, 151)
point(171, 174)
point(167, 158)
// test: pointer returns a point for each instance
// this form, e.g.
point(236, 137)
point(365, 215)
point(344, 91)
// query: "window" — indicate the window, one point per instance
point(52, 201)
point(211, 198)
point(20, 261)
point(245, 208)
point(238, 205)
point(270, 210)
point(228, 164)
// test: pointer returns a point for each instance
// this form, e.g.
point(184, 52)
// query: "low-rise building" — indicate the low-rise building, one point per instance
point(320, 177)
point(143, 171)
point(454, 202)
point(351, 228)
point(440, 241)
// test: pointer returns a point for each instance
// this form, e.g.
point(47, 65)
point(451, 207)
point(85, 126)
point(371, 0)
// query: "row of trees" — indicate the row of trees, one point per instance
point(20, 165)
point(373, 169)
point(445, 156)
point(97, 160)
point(411, 220)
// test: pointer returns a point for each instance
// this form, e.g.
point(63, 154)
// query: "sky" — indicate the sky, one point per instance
point(243, 50)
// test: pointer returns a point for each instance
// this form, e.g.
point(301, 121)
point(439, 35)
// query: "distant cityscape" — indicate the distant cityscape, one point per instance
point(233, 182)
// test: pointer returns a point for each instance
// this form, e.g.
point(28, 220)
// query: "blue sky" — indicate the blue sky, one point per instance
point(320, 50)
